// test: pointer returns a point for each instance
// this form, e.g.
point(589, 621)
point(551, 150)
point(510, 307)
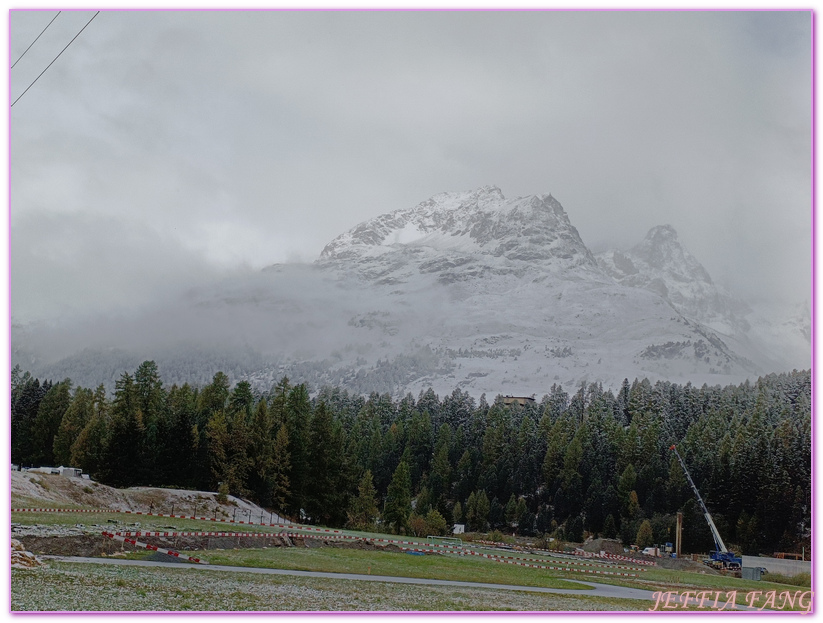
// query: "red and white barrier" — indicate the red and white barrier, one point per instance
point(154, 548)
point(511, 561)
point(338, 535)
point(416, 548)
point(571, 562)
point(212, 519)
point(636, 561)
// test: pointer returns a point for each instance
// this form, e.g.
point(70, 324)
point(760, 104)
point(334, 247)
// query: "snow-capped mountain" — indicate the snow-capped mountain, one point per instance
point(661, 264)
point(464, 236)
point(466, 290)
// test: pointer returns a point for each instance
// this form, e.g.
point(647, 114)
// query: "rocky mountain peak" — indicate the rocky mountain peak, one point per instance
point(661, 251)
point(661, 264)
point(479, 229)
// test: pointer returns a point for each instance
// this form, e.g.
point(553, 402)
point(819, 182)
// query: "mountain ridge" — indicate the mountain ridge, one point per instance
point(467, 290)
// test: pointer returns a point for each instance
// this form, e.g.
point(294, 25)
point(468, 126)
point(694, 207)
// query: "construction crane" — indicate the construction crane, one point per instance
point(721, 558)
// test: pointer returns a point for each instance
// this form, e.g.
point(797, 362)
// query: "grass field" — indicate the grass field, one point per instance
point(70, 586)
point(73, 586)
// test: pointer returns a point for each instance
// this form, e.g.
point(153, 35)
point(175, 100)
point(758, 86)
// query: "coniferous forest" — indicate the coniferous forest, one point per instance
point(575, 462)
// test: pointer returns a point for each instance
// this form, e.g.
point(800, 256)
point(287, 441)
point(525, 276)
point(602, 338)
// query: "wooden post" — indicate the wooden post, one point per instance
point(679, 534)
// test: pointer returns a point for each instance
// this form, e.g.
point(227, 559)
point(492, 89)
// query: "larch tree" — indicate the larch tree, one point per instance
point(75, 418)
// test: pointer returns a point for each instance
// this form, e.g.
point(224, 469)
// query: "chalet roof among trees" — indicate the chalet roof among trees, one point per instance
point(520, 400)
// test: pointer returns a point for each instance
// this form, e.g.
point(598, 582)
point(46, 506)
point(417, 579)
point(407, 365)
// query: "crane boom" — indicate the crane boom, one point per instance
point(718, 541)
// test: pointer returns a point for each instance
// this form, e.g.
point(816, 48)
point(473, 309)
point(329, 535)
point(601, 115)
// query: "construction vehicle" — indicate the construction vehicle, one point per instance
point(721, 557)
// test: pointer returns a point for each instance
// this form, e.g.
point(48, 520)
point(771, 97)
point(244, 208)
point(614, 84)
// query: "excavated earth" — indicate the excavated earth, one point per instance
point(37, 490)
point(99, 545)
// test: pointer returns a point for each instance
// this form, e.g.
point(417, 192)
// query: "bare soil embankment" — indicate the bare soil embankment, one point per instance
point(35, 489)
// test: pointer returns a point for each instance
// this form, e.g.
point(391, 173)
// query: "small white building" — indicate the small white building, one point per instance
point(68, 472)
point(459, 528)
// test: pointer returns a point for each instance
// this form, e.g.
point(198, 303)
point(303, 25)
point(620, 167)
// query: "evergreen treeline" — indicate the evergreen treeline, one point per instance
point(589, 461)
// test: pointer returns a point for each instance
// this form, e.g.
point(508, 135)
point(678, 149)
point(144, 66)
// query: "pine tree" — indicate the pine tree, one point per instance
point(609, 527)
point(470, 512)
point(521, 512)
point(436, 523)
point(241, 400)
point(122, 462)
point(25, 402)
point(626, 484)
point(177, 457)
point(457, 513)
point(151, 402)
point(75, 418)
point(259, 452)
point(45, 426)
point(324, 467)
point(511, 511)
point(227, 444)
point(440, 478)
point(398, 499)
point(88, 450)
point(645, 536)
point(363, 511)
point(298, 415)
point(279, 479)
point(574, 529)
point(213, 398)
point(482, 508)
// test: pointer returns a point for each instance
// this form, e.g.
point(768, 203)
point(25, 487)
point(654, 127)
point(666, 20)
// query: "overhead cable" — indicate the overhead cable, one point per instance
point(55, 58)
point(35, 40)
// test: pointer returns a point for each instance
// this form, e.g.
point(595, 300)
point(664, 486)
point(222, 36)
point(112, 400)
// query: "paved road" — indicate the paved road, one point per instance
point(597, 590)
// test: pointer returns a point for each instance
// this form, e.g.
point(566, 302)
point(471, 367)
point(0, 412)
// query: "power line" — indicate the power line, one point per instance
point(35, 41)
point(55, 58)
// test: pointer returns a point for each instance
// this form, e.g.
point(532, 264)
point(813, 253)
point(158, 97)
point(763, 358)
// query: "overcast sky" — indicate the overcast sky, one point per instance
point(165, 148)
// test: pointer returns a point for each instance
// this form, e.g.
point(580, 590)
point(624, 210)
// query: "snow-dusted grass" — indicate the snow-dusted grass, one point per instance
point(392, 563)
point(85, 587)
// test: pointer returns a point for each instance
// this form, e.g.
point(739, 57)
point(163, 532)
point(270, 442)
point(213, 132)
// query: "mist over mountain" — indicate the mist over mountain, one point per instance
point(466, 290)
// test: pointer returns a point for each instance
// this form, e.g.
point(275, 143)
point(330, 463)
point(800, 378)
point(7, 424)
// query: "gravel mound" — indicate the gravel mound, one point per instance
point(22, 559)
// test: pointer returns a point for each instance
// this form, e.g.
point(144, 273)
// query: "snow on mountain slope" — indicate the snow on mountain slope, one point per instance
point(662, 265)
point(469, 290)
point(509, 297)
point(464, 236)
